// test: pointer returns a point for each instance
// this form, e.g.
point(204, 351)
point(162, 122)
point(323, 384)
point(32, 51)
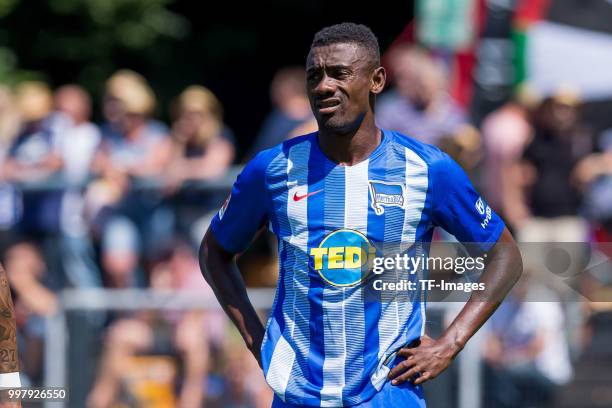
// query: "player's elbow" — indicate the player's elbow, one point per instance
point(507, 251)
point(213, 258)
point(206, 248)
point(516, 260)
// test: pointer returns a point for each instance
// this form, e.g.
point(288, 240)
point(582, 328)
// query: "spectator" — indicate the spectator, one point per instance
point(593, 175)
point(192, 334)
point(202, 149)
point(134, 144)
point(419, 105)
point(119, 88)
point(33, 157)
point(9, 119)
point(9, 126)
point(245, 386)
point(34, 301)
point(133, 147)
point(526, 354)
point(505, 133)
point(291, 115)
point(77, 144)
point(202, 145)
point(543, 193)
point(79, 141)
point(560, 141)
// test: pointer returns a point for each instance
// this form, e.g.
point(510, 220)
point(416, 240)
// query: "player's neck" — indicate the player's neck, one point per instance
point(351, 148)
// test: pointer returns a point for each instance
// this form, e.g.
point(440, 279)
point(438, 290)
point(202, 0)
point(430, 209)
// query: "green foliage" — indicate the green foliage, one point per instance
point(6, 6)
point(83, 41)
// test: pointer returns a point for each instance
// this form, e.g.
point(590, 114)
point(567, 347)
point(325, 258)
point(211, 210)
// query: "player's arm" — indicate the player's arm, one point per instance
point(431, 357)
point(221, 273)
point(9, 362)
point(459, 209)
point(240, 218)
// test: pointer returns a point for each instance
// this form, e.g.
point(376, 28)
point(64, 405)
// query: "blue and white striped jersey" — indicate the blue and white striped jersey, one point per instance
point(324, 345)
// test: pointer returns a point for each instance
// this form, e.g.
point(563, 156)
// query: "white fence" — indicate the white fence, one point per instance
point(56, 353)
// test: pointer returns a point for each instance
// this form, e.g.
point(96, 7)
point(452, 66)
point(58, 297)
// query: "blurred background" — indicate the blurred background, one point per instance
point(123, 124)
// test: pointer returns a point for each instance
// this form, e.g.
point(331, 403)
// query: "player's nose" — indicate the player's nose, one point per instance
point(325, 87)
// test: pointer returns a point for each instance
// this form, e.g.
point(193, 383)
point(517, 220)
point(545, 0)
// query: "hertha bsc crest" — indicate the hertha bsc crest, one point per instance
point(385, 194)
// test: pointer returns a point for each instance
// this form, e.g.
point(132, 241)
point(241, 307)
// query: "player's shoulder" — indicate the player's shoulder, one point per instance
point(282, 148)
point(429, 154)
point(263, 159)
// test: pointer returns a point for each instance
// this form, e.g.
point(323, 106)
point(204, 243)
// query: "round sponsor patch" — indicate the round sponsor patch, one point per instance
point(340, 257)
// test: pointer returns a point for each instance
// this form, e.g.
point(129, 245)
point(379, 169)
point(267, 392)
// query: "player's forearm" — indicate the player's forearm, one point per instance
point(502, 271)
point(9, 362)
point(8, 334)
point(221, 273)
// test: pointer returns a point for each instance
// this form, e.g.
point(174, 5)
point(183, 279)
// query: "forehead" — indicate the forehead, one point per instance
point(345, 54)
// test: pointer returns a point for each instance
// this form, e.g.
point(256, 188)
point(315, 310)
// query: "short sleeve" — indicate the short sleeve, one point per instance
point(459, 209)
point(245, 209)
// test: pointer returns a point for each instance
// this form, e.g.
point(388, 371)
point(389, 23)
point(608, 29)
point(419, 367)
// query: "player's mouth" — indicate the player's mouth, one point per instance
point(328, 106)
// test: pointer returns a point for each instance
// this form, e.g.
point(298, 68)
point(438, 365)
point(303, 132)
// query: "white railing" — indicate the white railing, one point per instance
point(56, 370)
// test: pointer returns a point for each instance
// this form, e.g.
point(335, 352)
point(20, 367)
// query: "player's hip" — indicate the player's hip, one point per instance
point(406, 395)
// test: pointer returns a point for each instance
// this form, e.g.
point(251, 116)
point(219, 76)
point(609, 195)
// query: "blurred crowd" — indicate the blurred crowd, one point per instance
point(549, 175)
point(87, 205)
point(114, 205)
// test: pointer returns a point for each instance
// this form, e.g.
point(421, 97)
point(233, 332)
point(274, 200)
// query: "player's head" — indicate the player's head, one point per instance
point(343, 76)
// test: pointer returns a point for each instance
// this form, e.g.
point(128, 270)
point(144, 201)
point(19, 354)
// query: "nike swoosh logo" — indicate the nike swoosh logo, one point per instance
point(297, 197)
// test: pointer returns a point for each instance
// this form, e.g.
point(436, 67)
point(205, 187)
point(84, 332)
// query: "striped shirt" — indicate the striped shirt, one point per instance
point(327, 342)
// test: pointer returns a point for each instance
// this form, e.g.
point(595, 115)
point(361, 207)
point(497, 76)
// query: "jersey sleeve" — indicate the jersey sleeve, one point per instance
point(459, 209)
point(245, 209)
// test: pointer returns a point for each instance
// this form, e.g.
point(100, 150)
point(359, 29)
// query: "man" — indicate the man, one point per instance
point(350, 184)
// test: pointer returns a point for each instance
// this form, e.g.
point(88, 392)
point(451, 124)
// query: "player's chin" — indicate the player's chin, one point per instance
point(334, 122)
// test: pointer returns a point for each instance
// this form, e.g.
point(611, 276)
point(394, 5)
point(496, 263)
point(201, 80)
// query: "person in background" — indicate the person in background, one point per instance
point(291, 115)
point(192, 334)
point(526, 354)
point(33, 157)
point(77, 144)
point(10, 123)
point(506, 132)
point(34, 302)
point(81, 138)
point(593, 176)
point(419, 105)
point(545, 203)
point(202, 146)
point(117, 87)
point(9, 119)
point(202, 149)
point(245, 386)
point(133, 147)
point(549, 198)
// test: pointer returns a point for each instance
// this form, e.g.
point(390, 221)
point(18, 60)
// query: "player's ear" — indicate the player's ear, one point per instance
point(379, 78)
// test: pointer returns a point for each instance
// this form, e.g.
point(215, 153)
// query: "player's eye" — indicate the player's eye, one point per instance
point(313, 76)
point(341, 74)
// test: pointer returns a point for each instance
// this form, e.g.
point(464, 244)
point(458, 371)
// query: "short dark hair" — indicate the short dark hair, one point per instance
point(349, 33)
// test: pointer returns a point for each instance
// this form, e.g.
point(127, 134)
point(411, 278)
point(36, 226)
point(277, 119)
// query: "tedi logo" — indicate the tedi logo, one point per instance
point(484, 210)
point(340, 257)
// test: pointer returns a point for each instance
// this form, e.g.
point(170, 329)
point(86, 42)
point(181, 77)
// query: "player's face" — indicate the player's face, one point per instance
point(339, 84)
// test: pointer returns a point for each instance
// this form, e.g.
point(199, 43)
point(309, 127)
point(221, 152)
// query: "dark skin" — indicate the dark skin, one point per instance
point(9, 362)
point(431, 357)
point(343, 81)
point(220, 271)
